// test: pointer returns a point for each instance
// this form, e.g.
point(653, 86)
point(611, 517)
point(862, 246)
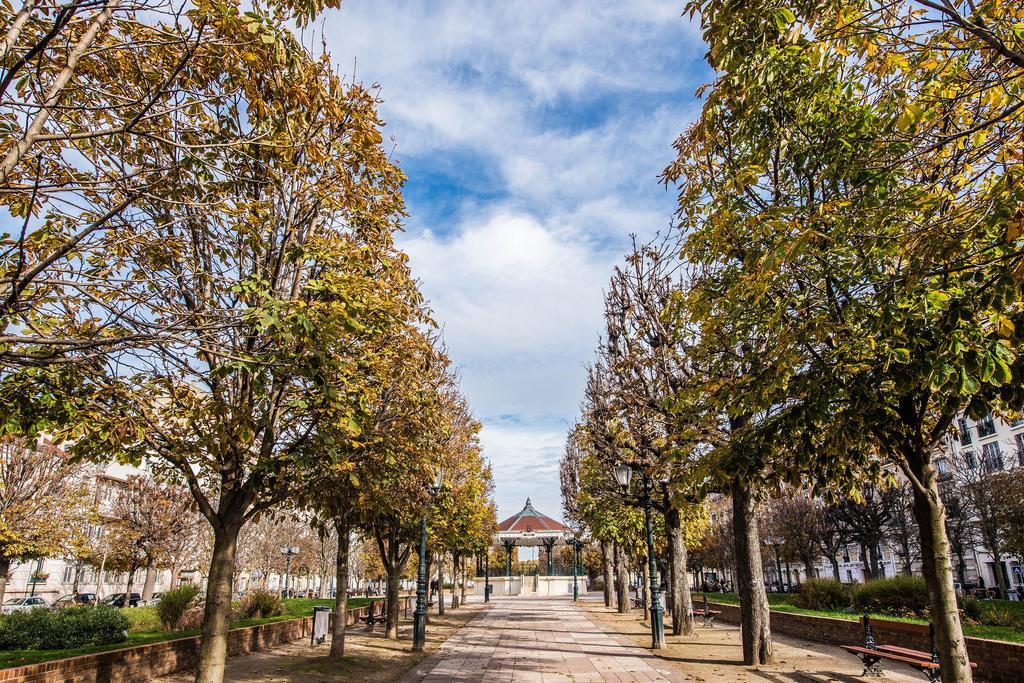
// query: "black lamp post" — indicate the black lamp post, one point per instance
point(775, 542)
point(289, 551)
point(419, 615)
point(577, 544)
point(623, 473)
point(487, 574)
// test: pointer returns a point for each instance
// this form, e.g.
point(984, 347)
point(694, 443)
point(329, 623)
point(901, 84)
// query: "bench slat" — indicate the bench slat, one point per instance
point(912, 653)
point(914, 662)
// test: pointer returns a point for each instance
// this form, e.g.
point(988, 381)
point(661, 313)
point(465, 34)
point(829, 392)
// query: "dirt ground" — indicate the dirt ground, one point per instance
point(369, 656)
point(715, 654)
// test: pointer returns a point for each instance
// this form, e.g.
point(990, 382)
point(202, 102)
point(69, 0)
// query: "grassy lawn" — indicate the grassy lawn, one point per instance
point(145, 629)
point(783, 602)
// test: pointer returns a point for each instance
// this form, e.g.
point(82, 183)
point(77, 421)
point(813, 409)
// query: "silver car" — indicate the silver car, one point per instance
point(23, 604)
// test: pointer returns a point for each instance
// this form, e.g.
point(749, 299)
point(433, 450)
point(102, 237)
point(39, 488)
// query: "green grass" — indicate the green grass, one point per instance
point(143, 617)
point(782, 602)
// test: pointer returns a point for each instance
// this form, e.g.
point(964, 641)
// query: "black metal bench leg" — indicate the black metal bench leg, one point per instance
point(871, 666)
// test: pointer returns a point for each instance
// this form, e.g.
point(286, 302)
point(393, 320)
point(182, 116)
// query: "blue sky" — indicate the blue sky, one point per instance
point(533, 134)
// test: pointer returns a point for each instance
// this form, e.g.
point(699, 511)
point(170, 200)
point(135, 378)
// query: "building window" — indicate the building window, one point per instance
point(69, 573)
point(1020, 448)
point(849, 576)
point(992, 457)
point(846, 554)
point(965, 431)
point(1017, 422)
point(942, 465)
point(970, 458)
point(987, 427)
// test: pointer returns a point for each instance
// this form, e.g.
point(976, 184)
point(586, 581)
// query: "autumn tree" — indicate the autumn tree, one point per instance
point(793, 518)
point(829, 134)
point(463, 516)
point(975, 482)
point(273, 263)
point(142, 524)
point(45, 503)
point(99, 103)
point(867, 517)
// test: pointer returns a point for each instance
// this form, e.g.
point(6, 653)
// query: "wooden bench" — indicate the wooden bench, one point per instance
point(707, 616)
point(871, 654)
point(372, 618)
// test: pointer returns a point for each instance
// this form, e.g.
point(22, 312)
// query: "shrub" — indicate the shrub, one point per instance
point(192, 619)
point(142, 619)
point(899, 596)
point(827, 594)
point(174, 603)
point(1000, 616)
point(260, 604)
point(63, 629)
point(971, 608)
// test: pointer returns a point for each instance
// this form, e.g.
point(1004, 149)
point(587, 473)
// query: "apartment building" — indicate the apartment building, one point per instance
point(52, 577)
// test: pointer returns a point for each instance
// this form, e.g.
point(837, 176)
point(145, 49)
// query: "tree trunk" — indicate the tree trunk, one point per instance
point(74, 583)
point(394, 578)
point(1000, 573)
point(754, 615)
point(99, 577)
point(835, 566)
point(873, 556)
point(606, 566)
point(440, 584)
point(393, 556)
point(341, 592)
point(129, 584)
point(682, 601)
point(462, 587)
point(5, 569)
point(961, 568)
point(455, 580)
point(150, 582)
point(213, 649)
point(621, 580)
point(938, 573)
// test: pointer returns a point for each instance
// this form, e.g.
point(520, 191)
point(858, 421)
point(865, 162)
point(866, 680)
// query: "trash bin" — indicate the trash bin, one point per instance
point(488, 589)
point(321, 624)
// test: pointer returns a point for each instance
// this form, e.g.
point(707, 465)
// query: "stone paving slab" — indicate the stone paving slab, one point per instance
point(539, 640)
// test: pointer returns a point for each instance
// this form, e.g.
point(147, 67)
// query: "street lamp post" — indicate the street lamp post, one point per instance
point(419, 615)
point(289, 551)
point(775, 542)
point(487, 575)
point(623, 473)
point(577, 544)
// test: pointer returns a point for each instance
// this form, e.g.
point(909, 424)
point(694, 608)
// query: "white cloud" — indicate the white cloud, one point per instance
point(525, 462)
point(569, 109)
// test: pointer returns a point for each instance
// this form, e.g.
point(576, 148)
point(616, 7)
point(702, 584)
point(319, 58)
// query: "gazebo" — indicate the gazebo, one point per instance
point(530, 528)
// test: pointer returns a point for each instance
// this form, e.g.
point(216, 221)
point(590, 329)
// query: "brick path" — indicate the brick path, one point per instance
point(540, 640)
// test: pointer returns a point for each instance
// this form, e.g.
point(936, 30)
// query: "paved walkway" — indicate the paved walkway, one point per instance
point(539, 640)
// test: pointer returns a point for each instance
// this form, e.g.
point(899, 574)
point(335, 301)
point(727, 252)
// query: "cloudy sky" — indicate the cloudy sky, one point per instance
point(532, 134)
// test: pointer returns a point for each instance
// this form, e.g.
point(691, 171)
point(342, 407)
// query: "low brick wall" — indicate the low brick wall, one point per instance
point(997, 660)
point(145, 662)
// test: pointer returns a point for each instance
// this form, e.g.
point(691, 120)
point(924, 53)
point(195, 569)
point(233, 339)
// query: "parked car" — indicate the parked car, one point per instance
point(76, 599)
point(117, 600)
point(23, 604)
point(155, 599)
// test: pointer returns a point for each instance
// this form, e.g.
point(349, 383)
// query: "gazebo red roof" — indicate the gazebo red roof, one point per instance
point(528, 520)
